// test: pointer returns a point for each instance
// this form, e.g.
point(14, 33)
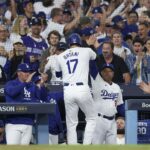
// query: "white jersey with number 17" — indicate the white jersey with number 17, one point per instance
point(74, 64)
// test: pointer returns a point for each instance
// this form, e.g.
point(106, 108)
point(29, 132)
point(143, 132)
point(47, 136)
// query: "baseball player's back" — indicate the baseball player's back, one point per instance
point(74, 64)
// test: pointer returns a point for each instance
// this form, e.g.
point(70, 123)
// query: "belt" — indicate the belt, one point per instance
point(106, 117)
point(78, 83)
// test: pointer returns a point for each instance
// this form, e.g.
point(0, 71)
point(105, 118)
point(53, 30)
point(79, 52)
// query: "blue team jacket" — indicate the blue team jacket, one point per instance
point(19, 92)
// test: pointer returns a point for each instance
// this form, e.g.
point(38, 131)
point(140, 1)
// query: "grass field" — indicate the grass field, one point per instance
point(65, 147)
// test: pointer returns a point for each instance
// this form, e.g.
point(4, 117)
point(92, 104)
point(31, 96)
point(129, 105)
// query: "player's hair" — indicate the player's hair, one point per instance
point(56, 33)
point(108, 42)
point(55, 12)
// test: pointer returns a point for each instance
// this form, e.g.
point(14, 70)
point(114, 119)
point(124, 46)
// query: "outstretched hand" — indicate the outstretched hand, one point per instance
point(145, 87)
point(30, 77)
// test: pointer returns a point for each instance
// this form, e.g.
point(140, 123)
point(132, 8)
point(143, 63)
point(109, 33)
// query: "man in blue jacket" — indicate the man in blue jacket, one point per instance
point(21, 90)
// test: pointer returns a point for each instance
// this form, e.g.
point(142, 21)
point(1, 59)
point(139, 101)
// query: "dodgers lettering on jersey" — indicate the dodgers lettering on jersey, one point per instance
point(106, 95)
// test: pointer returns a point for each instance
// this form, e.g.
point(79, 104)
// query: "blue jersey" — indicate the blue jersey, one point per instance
point(34, 47)
point(144, 131)
point(55, 122)
point(19, 92)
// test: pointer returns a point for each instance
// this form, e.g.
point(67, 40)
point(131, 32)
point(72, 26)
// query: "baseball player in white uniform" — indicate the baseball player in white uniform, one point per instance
point(52, 61)
point(107, 96)
point(74, 66)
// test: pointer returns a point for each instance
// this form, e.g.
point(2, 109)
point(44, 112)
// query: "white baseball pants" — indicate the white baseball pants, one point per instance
point(18, 134)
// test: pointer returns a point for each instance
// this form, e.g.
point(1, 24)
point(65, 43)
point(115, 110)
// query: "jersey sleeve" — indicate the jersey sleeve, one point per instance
point(58, 67)
point(48, 65)
point(92, 54)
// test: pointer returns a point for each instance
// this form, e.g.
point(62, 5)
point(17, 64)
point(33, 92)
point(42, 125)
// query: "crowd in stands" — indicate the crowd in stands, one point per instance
point(36, 31)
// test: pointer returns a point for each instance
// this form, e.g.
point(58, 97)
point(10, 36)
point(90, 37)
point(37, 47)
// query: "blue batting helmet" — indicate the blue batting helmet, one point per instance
point(74, 39)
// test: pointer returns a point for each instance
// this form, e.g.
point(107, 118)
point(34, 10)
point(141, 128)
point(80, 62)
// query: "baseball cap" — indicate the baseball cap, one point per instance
point(62, 46)
point(111, 66)
point(117, 19)
point(67, 11)
point(87, 31)
point(17, 41)
point(35, 21)
point(36, 79)
point(41, 14)
point(97, 10)
point(24, 67)
point(25, 2)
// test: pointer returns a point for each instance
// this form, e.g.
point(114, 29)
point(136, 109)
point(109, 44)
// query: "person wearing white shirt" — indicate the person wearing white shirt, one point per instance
point(52, 61)
point(119, 48)
point(4, 39)
point(55, 23)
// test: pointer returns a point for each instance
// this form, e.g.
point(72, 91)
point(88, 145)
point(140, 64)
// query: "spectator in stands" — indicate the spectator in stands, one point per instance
point(28, 10)
point(119, 24)
point(88, 38)
point(2, 11)
point(145, 16)
point(119, 48)
point(42, 17)
point(120, 130)
point(131, 26)
point(52, 61)
point(55, 23)
point(46, 6)
point(4, 39)
point(34, 42)
point(10, 13)
point(146, 59)
point(2, 76)
point(15, 57)
point(67, 16)
point(19, 28)
point(145, 5)
point(21, 90)
point(53, 39)
point(135, 62)
point(143, 30)
point(121, 71)
point(3, 56)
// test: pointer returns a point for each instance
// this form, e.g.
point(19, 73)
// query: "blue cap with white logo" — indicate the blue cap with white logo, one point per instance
point(111, 66)
point(24, 68)
point(97, 10)
point(87, 31)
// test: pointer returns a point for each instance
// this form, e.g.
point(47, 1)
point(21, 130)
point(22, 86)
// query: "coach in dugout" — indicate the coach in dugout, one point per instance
point(21, 90)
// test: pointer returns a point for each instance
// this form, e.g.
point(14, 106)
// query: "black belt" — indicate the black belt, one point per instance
point(106, 117)
point(78, 83)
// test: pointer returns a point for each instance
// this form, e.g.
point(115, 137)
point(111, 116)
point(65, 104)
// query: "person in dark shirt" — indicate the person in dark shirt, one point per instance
point(21, 90)
point(121, 71)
